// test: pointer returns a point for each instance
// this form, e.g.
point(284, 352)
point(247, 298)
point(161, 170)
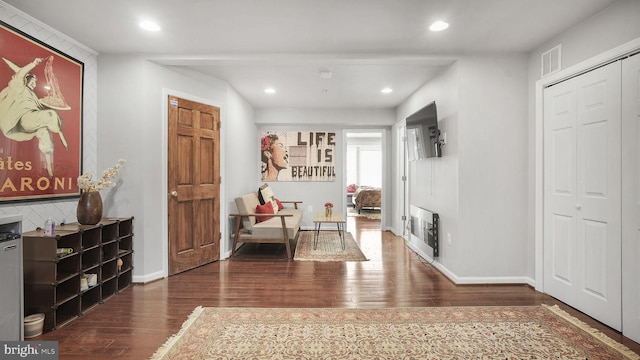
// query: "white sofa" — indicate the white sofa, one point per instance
point(280, 228)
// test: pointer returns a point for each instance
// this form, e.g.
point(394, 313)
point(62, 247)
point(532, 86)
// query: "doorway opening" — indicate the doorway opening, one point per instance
point(363, 174)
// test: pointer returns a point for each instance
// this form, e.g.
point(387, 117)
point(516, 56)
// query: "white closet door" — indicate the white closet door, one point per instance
point(582, 171)
point(631, 197)
point(560, 191)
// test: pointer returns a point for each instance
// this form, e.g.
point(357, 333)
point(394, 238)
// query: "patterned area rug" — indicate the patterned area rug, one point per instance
point(371, 214)
point(329, 247)
point(535, 332)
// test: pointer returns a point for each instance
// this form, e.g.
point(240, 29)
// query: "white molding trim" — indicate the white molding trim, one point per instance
point(608, 56)
point(458, 280)
point(393, 231)
point(147, 278)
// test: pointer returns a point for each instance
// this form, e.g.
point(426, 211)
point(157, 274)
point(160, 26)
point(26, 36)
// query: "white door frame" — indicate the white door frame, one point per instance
point(589, 64)
point(630, 210)
point(386, 205)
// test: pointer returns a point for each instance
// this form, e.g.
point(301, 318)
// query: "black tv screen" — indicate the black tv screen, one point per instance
point(423, 136)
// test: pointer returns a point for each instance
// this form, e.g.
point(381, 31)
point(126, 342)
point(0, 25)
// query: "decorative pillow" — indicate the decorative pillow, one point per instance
point(280, 206)
point(351, 188)
point(264, 209)
point(265, 195)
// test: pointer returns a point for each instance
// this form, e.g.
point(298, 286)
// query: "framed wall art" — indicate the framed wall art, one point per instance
point(298, 156)
point(40, 119)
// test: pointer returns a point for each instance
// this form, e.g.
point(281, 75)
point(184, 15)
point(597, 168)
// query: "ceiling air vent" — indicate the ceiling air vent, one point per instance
point(551, 61)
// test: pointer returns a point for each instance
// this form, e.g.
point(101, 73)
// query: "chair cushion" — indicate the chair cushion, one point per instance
point(272, 228)
point(264, 209)
point(247, 204)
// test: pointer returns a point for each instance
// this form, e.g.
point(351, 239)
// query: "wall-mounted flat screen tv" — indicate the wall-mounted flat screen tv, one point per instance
point(423, 136)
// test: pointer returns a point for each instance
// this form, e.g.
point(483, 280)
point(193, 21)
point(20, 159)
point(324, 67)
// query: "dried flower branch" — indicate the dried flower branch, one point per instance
point(86, 182)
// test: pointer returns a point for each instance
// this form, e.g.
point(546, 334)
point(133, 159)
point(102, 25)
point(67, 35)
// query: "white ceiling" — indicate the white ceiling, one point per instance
point(366, 44)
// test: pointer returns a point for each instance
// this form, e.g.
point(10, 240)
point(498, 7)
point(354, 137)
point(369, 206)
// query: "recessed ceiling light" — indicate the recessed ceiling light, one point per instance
point(270, 90)
point(326, 74)
point(149, 26)
point(438, 26)
point(386, 90)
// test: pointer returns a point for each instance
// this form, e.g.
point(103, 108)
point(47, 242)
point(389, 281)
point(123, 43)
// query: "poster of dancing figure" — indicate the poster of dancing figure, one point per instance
point(40, 119)
point(298, 156)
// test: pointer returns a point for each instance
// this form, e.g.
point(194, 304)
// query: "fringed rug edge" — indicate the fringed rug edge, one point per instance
point(622, 349)
point(162, 351)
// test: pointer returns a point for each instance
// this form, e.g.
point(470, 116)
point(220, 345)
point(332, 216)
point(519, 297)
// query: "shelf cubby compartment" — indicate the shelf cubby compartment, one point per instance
point(67, 289)
point(125, 244)
point(45, 247)
point(51, 272)
point(109, 251)
point(109, 270)
point(109, 287)
point(90, 298)
point(68, 241)
point(91, 237)
point(125, 279)
point(67, 266)
point(90, 258)
point(67, 311)
point(127, 262)
point(125, 227)
point(109, 231)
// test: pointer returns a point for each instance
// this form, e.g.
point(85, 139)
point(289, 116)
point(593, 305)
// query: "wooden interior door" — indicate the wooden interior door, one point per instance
point(194, 184)
point(582, 190)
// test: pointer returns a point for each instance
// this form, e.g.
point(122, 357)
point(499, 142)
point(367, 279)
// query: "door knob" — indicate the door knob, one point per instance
point(174, 193)
point(578, 206)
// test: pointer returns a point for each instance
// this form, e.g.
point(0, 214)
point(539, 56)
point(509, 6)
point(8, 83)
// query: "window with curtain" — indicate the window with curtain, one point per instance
point(370, 167)
point(364, 160)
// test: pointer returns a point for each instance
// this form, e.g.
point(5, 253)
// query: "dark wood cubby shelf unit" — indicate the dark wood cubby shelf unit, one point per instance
point(52, 282)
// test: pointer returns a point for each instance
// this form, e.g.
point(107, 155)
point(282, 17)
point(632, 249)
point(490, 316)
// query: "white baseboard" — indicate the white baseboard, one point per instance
point(394, 231)
point(148, 278)
point(466, 280)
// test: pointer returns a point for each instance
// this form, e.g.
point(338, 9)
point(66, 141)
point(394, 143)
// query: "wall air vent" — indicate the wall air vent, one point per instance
point(551, 61)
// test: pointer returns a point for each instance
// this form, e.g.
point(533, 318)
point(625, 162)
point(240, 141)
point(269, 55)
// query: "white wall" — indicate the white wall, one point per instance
point(35, 213)
point(360, 118)
point(132, 125)
point(479, 185)
point(433, 183)
point(492, 148)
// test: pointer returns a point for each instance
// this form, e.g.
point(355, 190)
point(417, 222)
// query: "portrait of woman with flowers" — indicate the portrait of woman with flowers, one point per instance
point(274, 157)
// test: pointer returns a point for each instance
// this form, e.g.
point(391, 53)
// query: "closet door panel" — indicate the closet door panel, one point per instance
point(560, 191)
point(598, 193)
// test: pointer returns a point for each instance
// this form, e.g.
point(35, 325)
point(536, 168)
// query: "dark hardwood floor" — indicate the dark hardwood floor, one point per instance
point(134, 323)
